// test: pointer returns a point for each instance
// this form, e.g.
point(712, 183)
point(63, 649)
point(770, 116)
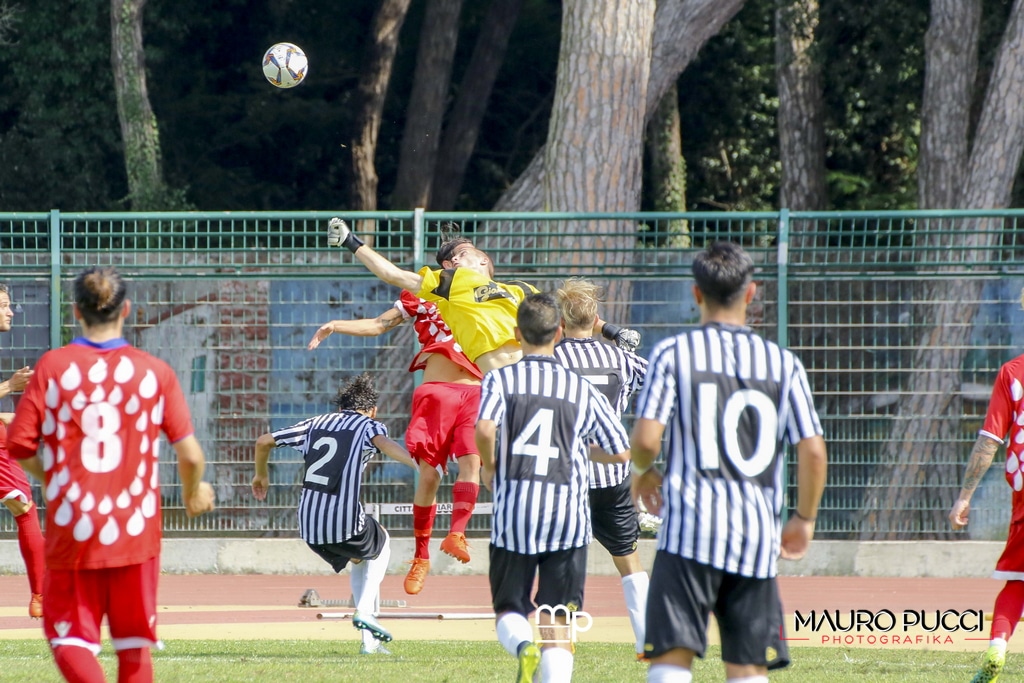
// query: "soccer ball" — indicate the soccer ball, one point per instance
point(285, 65)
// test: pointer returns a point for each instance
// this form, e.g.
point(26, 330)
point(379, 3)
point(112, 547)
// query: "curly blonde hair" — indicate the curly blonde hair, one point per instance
point(577, 299)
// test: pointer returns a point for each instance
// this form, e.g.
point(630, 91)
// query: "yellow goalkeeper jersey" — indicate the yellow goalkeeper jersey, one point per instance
point(480, 312)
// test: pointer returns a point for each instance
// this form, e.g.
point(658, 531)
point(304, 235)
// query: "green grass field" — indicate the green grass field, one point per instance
point(29, 661)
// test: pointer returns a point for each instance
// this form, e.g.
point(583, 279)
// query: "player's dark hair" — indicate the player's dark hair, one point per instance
point(539, 318)
point(99, 294)
point(4, 290)
point(357, 394)
point(722, 272)
point(451, 237)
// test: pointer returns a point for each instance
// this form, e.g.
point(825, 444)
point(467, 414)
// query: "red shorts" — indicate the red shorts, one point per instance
point(1010, 566)
point(13, 482)
point(443, 422)
point(74, 603)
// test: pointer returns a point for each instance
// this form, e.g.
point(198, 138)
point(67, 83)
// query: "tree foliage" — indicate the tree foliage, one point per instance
point(234, 142)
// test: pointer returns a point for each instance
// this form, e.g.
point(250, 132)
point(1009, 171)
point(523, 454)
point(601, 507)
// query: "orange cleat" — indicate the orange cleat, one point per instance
point(35, 606)
point(455, 545)
point(417, 575)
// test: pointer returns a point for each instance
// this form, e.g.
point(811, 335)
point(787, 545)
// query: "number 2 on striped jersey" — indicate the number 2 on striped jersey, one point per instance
point(311, 473)
point(541, 425)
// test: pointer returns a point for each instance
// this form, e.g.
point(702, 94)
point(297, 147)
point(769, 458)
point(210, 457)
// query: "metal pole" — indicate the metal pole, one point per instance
point(55, 294)
point(782, 259)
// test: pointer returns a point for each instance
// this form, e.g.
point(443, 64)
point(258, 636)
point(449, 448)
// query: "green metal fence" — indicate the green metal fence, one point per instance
point(902, 320)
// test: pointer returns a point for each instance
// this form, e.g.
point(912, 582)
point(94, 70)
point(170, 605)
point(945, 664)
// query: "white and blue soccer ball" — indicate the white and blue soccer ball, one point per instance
point(285, 65)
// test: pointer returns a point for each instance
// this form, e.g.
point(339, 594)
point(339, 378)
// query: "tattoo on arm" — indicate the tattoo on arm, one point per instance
point(391, 320)
point(981, 458)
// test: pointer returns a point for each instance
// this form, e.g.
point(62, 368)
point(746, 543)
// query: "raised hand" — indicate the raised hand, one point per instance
point(325, 331)
point(627, 339)
point(337, 232)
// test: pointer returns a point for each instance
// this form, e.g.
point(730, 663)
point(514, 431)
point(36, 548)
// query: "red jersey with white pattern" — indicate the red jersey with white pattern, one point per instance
point(98, 409)
point(433, 333)
point(1004, 422)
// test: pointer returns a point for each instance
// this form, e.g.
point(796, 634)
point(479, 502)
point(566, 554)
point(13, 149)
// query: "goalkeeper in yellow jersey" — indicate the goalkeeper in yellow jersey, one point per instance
point(480, 311)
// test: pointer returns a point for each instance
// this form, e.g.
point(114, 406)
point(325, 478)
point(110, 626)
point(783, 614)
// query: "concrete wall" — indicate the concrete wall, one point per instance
point(946, 559)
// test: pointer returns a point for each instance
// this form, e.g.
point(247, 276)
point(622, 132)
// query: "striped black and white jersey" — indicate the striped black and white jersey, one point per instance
point(335, 448)
point(615, 373)
point(547, 416)
point(729, 400)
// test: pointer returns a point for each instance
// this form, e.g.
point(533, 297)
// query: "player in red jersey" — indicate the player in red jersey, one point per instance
point(442, 424)
point(15, 491)
point(98, 406)
point(1003, 426)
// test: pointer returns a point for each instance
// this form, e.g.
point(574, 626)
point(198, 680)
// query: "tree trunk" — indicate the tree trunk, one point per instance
point(146, 190)
point(593, 161)
point(427, 103)
point(593, 155)
point(697, 21)
point(667, 178)
point(951, 66)
point(468, 111)
point(373, 88)
point(801, 105)
point(912, 488)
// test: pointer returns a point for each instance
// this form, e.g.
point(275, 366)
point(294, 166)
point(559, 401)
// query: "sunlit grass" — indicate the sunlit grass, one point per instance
point(29, 661)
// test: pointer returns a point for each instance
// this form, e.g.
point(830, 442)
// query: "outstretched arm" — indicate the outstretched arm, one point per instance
point(394, 451)
point(366, 327)
point(384, 269)
point(17, 381)
point(981, 459)
point(623, 337)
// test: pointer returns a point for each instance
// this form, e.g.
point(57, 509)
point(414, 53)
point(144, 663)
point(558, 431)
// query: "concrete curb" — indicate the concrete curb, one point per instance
point(938, 559)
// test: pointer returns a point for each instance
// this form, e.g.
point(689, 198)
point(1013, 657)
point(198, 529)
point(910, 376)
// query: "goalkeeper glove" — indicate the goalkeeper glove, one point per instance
point(339, 235)
point(624, 338)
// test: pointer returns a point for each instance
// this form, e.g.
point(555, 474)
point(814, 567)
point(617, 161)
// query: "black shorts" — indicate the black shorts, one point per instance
point(749, 613)
point(366, 545)
point(561, 577)
point(614, 520)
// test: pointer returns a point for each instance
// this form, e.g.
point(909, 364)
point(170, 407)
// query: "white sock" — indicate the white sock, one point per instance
point(357, 579)
point(513, 629)
point(634, 588)
point(555, 665)
point(369, 642)
point(668, 673)
point(375, 569)
point(997, 642)
point(748, 679)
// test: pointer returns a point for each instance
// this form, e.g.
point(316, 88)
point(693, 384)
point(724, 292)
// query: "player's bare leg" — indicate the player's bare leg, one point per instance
point(464, 495)
point(424, 509)
point(33, 551)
